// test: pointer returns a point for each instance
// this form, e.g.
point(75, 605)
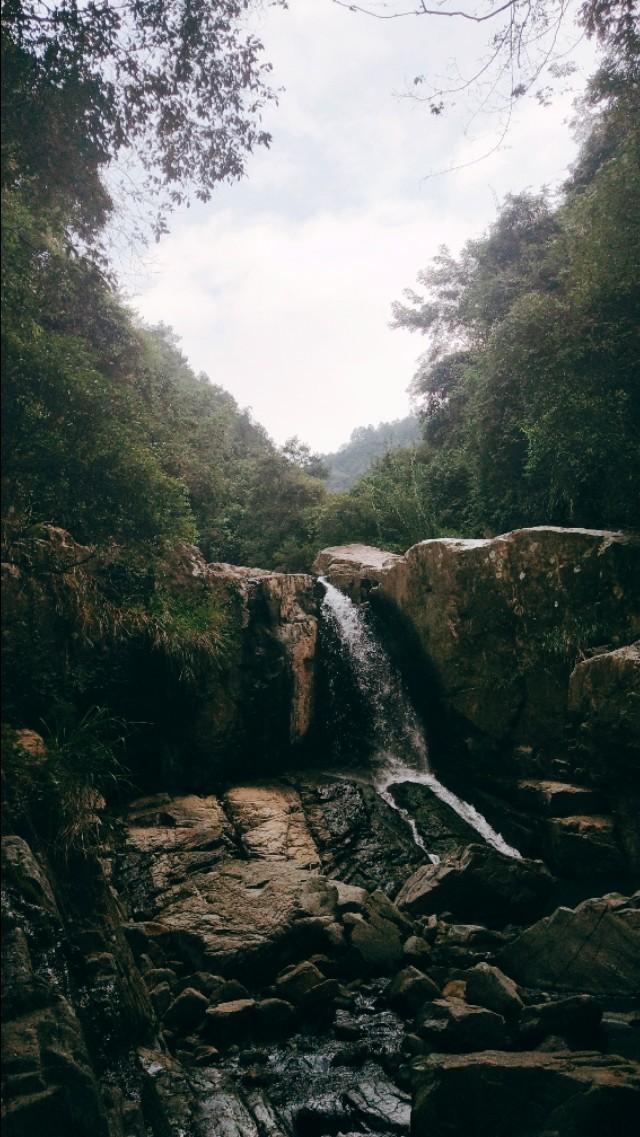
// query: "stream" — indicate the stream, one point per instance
point(400, 751)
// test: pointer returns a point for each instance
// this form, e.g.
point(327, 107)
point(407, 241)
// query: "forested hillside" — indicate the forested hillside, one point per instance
point(106, 430)
point(365, 444)
point(529, 390)
point(528, 393)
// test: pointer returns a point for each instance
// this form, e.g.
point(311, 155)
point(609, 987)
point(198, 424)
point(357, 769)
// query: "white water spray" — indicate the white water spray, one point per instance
point(401, 753)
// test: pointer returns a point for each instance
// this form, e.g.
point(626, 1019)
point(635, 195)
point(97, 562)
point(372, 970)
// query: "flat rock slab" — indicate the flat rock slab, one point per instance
point(531, 1094)
point(358, 556)
point(594, 948)
point(557, 799)
point(240, 909)
point(271, 823)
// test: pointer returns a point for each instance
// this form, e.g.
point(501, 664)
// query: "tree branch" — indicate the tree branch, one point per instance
point(424, 11)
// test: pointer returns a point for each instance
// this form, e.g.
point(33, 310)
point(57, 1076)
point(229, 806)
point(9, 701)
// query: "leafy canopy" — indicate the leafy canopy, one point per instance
point(179, 84)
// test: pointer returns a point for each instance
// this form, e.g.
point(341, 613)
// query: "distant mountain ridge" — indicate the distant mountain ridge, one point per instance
point(366, 444)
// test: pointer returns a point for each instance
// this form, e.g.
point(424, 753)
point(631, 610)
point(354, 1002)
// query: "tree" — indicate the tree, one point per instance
point(520, 48)
point(301, 455)
point(529, 389)
point(178, 83)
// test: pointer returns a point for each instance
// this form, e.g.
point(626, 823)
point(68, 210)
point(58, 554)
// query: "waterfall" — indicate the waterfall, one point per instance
point(400, 752)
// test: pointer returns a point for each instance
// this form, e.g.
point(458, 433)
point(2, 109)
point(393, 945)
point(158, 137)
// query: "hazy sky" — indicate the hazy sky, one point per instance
point(280, 288)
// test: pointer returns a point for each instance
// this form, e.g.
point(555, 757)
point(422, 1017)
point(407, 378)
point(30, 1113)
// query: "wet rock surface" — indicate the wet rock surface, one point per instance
point(531, 1095)
point(492, 615)
point(476, 881)
point(264, 962)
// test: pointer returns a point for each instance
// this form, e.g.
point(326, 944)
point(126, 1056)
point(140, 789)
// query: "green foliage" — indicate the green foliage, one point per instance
point(529, 393)
point(367, 443)
point(570, 640)
point(193, 632)
point(61, 792)
point(180, 87)
point(108, 432)
point(391, 506)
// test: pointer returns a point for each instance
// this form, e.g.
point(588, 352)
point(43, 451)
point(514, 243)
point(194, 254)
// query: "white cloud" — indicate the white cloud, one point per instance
point(281, 288)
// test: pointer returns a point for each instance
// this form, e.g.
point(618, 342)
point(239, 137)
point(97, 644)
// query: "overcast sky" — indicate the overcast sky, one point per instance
point(281, 287)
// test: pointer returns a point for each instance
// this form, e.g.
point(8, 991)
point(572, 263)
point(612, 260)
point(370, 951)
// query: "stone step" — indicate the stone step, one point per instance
point(582, 845)
point(550, 798)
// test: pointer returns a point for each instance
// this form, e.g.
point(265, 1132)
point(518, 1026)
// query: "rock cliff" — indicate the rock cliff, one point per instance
point(216, 662)
point(523, 657)
point(501, 621)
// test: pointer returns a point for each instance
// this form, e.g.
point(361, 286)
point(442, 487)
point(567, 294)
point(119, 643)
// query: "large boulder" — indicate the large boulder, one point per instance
point(476, 882)
point(488, 986)
point(604, 699)
point(594, 948)
point(225, 883)
point(453, 1025)
point(531, 1094)
point(375, 936)
point(354, 569)
point(500, 620)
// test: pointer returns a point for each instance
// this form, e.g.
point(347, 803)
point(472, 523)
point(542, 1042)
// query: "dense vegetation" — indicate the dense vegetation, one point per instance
point(107, 431)
point(529, 392)
point(365, 445)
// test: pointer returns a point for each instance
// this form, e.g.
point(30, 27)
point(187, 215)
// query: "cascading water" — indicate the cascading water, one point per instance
point(400, 751)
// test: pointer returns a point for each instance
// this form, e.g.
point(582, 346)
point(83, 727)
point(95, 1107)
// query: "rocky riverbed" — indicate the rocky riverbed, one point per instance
point(290, 925)
point(280, 959)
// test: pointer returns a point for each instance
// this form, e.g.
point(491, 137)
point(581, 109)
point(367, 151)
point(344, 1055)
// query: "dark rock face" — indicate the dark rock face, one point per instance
point(576, 1020)
point(496, 617)
point(253, 702)
point(604, 698)
point(50, 1083)
point(360, 839)
point(477, 882)
point(441, 829)
point(584, 846)
point(593, 948)
point(453, 1025)
point(531, 1095)
point(50, 1080)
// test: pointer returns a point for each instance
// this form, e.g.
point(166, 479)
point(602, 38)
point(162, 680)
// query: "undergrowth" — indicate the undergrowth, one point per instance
point(78, 628)
point(59, 790)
